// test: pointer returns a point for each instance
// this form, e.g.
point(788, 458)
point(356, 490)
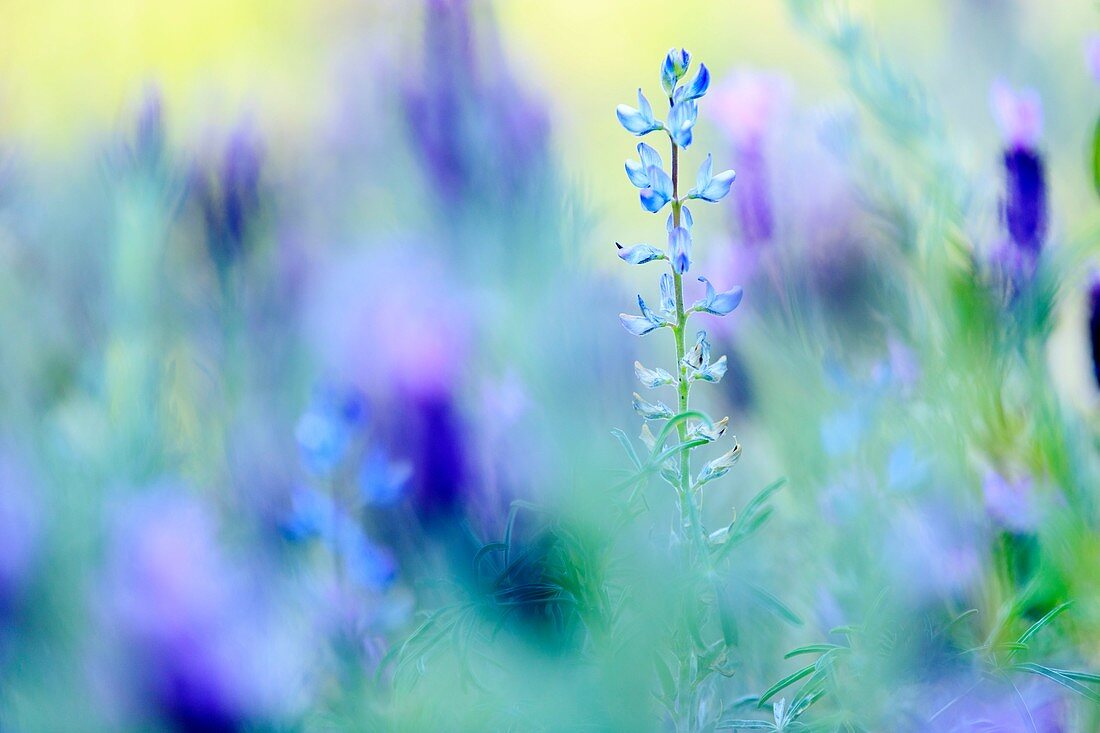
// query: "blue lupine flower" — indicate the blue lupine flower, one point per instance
point(681, 121)
point(679, 249)
point(696, 89)
point(381, 481)
point(638, 121)
point(652, 378)
point(686, 221)
point(658, 192)
point(650, 410)
point(643, 324)
point(718, 304)
point(711, 188)
point(636, 172)
point(713, 372)
point(639, 254)
point(673, 69)
point(699, 355)
point(668, 293)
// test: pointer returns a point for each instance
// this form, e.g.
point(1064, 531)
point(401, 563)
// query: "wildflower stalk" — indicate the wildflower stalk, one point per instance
point(658, 189)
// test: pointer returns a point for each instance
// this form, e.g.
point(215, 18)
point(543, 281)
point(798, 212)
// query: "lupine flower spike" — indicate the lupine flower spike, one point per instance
point(659, 188)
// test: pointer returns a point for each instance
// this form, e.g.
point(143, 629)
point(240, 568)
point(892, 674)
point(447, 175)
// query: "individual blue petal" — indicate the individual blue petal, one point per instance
point(709, 187)
point(681, 121)
point(698, 86)
point(643, 324)
point(637, 325)
point(659, 192)
point(718, 187)
point(310, 515)
point(649, 156)
point(668, 293)
point(635, 171)
point(673, 68)
point(702, 178)
point(651, 410)
point(718, 304)
point(639, 254)
point(679, 249)
point(638, 121)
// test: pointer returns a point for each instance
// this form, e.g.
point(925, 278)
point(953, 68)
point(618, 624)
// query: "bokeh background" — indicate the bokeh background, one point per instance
point(311, 360)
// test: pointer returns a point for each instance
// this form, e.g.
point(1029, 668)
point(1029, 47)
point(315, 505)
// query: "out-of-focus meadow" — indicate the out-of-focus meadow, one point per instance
point(316, 401)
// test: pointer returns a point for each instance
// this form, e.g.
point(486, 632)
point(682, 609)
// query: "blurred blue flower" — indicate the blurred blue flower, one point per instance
point(20, 534)
point(679, 249)
point(643, 324)
point(369, 565)
point(639, 121)
point(381, 481)
point(311, 514)
point(711, 188)
point(718, 304)
point(326, 429)
point(230, 196)
point(905, 469)
point(673, 69)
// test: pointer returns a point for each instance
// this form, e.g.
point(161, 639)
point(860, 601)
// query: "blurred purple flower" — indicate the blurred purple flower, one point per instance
point(1092, 56)
point(994, 707)
point(196, 644)
point(20, 532)
point(382, 481)
point(931, 552)
point(746, 108)
point(1019, 115)
point(474, 127)
point(149, 129)
point(230, 195)
point(1094, 324)
point(1010, 502)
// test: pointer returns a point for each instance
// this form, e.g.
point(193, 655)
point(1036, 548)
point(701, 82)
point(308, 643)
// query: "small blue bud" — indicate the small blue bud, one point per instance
point(679, 249)
point(673, 69)
point(698, 87)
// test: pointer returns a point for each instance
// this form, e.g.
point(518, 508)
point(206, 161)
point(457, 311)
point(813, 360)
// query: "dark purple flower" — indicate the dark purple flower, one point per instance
point(230, 196)
point(1019, 116)
point(194, 642)
point(1094, 325)
point(474, 127)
